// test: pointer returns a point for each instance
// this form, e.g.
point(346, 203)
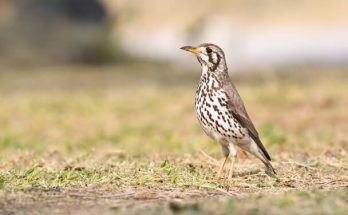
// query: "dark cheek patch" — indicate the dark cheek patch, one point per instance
point(218, 59)
point(210, 58)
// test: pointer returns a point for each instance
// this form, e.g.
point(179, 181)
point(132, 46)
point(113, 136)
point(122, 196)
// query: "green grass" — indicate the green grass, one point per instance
point(95, 140)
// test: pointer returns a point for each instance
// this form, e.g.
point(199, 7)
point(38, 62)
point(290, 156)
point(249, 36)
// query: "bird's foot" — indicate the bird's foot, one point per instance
point(221, 169)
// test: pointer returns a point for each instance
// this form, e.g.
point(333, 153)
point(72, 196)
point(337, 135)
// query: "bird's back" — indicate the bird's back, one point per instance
point(236, 106)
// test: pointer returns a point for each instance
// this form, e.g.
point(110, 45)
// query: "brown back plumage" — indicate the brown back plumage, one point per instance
point(236, 105)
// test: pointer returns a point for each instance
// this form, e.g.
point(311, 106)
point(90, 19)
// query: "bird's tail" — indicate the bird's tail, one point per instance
point(270, 169)
point(258, 152)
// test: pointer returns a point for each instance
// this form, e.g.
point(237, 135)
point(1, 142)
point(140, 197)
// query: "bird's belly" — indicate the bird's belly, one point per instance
point(218, 122)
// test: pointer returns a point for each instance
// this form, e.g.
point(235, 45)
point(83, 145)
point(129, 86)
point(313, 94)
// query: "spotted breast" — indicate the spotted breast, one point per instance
point(213, 113)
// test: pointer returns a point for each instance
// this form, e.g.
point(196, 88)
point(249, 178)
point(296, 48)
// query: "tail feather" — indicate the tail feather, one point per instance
point(264, 157)
point(270, 168)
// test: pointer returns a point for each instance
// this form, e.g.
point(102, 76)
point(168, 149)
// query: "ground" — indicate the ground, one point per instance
point(125, 140)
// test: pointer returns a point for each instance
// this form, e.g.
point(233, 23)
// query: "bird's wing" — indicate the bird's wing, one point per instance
point(235, 104)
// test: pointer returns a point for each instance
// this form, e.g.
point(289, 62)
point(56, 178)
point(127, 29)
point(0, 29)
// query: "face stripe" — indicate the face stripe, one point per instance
point(210, 56)
point(215, 64)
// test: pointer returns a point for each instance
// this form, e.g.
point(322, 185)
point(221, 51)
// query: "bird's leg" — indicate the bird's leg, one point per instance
point(230, 172)
point(232, 155)
point(221, 169)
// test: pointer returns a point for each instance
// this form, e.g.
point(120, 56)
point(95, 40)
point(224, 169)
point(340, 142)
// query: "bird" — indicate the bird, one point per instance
point(221, 111)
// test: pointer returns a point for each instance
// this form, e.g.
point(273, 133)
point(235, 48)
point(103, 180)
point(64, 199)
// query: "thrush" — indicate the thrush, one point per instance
point(221, 112)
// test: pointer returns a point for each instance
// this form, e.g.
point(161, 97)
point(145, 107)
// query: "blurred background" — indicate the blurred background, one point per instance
point(96, 98)
point(254, 35)
point(77, 74)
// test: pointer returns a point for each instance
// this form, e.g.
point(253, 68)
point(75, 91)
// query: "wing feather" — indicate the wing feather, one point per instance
point(236, 105)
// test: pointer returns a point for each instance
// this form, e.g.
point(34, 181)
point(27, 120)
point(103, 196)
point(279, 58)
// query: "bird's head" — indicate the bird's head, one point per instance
point(208, 55)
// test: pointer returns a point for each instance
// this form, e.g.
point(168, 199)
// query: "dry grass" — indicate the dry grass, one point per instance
point(96, 140)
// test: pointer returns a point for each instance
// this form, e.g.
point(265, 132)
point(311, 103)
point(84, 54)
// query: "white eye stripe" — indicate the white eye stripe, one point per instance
point(215, 57)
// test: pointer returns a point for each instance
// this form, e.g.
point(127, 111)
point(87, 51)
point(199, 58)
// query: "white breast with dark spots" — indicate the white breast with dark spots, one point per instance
point(213, 112)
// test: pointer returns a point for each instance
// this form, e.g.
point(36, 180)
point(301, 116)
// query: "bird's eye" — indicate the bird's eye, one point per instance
point(209, 50)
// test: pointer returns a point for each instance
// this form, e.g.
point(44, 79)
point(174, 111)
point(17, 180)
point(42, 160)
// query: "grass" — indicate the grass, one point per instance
point(110, 139)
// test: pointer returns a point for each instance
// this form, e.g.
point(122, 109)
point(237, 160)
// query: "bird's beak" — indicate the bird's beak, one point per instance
point(191, 49)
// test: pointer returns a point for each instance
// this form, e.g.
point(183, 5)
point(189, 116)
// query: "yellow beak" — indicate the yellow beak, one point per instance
point(191, 49)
